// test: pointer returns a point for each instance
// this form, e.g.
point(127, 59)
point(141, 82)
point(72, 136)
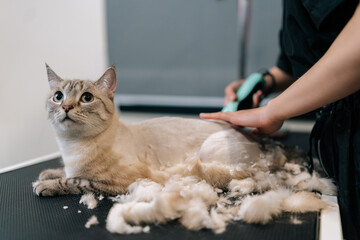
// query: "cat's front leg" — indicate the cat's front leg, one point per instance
point(58, 186)
point(52, 174)
point(64, 186)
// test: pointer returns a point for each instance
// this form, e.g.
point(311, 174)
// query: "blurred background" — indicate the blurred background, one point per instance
point(177, 54)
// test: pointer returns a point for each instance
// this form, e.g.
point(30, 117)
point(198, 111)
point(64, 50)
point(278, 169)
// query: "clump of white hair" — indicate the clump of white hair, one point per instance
point(198, 205)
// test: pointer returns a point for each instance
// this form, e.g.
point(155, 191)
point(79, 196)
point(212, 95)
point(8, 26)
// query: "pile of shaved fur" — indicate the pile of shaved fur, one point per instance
point(277, 181)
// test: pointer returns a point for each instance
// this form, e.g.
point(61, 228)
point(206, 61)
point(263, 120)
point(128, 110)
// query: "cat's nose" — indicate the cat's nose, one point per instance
point(67, 108)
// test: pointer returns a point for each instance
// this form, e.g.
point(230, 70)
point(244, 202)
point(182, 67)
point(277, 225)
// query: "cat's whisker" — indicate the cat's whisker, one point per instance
point(79, 118)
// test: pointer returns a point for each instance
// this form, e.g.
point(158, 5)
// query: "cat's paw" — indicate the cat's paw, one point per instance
point(47, 188)
point(51, 174)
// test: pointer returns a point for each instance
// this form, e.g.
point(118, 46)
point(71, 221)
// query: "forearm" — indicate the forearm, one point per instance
point(335, 76)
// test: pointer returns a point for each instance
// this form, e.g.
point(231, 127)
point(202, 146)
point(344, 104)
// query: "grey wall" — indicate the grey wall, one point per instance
point(264, 35)
point(186, 47)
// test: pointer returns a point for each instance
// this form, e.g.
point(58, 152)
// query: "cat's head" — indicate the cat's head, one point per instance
point(81, 108)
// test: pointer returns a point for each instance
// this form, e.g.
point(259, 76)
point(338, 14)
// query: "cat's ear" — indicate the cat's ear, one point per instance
point(107, 82)
point(53, 78)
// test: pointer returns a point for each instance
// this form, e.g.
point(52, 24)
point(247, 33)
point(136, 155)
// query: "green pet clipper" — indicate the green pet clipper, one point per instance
point(244, 94)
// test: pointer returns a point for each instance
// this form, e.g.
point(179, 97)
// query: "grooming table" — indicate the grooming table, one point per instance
point(23, 215)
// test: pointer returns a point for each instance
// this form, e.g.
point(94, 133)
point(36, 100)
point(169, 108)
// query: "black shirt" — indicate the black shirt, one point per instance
point(309, 27)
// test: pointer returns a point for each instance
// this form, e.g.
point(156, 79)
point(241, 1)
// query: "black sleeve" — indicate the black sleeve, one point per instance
point(283, 61)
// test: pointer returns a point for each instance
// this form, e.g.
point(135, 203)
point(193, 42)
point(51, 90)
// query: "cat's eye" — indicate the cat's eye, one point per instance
point(87, 97)
point(58, 97)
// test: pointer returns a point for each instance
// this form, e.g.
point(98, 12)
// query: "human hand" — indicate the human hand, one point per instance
point(261, 119)
point(230, 93)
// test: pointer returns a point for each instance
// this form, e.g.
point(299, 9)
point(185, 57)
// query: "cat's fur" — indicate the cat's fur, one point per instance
point(103, 155)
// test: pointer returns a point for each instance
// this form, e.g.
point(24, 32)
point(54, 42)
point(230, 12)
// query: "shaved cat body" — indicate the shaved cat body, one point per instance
point(103, 155)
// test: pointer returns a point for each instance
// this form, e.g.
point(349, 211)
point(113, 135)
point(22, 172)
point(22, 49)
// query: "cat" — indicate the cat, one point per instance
point(183, 161)
point(103, 155)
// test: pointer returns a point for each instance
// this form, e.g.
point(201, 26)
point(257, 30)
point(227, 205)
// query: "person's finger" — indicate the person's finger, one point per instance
point(230, 94)
point(258, 132)
point(227, 100)
point(237, 118)
point(257, 98)
point(217, 115)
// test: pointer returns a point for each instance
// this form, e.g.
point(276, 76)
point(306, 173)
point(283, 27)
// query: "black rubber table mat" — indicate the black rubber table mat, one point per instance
point(23, 215)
